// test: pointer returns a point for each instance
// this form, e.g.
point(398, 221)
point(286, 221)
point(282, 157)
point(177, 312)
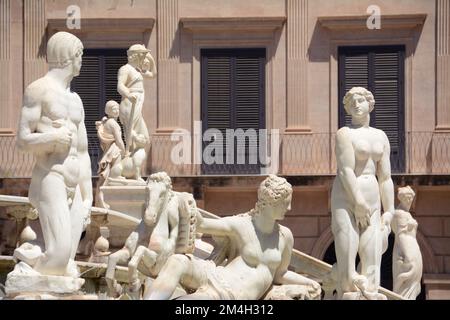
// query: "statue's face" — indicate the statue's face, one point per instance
point(360, 106)
point(77, 62)
point(115, 111)
point(280, 208)
point(406, 197)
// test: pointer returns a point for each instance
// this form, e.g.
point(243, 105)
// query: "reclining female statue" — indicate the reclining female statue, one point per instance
point(259, 254)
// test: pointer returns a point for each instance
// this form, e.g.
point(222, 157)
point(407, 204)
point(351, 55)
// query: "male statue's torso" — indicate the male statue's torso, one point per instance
point(61, 110)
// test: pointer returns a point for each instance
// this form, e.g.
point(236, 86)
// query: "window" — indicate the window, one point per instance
point(97, 84)
point(380, 69)
point(233, 82)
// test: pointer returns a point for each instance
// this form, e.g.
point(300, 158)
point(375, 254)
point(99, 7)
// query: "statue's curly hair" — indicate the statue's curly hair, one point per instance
point(161, 177)
point(109, 106)
point(272, 190)
point(406, 190)
point(348, 99)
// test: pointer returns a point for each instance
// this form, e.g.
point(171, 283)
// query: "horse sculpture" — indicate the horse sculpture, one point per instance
point(168, 226)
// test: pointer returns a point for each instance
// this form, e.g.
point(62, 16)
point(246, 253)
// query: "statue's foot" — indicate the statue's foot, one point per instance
point(115, 289)
point(360, 283)
point(28, 253)
point(140, 180)
point(135, 286)
point(72, 269)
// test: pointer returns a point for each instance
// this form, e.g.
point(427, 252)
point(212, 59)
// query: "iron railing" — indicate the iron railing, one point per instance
point(297, 154)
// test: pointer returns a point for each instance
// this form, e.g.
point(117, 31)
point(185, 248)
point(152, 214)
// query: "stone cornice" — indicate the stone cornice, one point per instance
point(105, 24)
point(232, 23)
point(402, 21)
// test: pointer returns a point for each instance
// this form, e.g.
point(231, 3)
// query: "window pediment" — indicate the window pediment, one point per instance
point(403, 21)
point(261, 24)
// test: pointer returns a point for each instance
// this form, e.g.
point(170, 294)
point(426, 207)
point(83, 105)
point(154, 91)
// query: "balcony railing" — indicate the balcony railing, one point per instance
point(297, 154)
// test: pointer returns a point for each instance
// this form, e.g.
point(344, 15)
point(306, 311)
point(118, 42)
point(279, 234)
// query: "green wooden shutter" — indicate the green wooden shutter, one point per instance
point(380, 69)
point(233, 98)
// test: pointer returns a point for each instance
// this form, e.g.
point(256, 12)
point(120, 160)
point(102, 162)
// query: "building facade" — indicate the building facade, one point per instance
point(278, 65)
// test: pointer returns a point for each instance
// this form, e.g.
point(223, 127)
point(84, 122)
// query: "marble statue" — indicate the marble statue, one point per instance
point(167, 227)
point(406, 257)
point(110, 135)
point(131, 87)
point(362, 184)
point(255, 254)
point(52, 129)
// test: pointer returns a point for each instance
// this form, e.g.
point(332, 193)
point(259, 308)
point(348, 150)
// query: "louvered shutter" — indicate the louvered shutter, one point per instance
point(233, 98)
point(387, 87)
point(249, 97)
point(380, 70)
point(217, 89)
point(88, 86)
point(97, 84)
point(355, 69)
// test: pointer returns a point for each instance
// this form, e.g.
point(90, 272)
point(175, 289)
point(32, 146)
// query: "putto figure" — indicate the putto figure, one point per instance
point(254, 256)
point(362, 154)
point(130, 85)
point(52, 129)
point(110, 136)
point(406, 257)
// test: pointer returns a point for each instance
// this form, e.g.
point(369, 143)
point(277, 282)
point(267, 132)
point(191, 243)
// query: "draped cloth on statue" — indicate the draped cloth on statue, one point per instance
point(111, 152)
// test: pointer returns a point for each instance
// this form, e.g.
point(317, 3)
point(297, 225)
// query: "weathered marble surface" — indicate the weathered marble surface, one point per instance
point(253, 252)
point(130, 84)
point(363, 183)
point(167, 226)
point(407, 265)
point(52, 129)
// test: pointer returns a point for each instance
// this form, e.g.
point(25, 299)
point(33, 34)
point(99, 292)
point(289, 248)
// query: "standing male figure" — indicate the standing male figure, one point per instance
point(130, 85)
point(52, 129)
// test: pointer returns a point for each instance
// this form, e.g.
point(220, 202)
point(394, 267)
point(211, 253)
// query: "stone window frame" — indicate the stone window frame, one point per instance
point(352, 31)
point(234, 32)
point(105, 33)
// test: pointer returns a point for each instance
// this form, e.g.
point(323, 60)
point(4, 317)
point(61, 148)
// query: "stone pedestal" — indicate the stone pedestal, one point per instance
point(24, 281)
point(360, 296)
point(129, 200)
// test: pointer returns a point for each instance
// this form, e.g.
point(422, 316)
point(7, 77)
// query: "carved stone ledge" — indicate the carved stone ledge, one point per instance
point(240, 24)
point(405, 21)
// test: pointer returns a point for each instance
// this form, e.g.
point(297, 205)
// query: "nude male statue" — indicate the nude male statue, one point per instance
point(130, 85)
point(52, 128)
